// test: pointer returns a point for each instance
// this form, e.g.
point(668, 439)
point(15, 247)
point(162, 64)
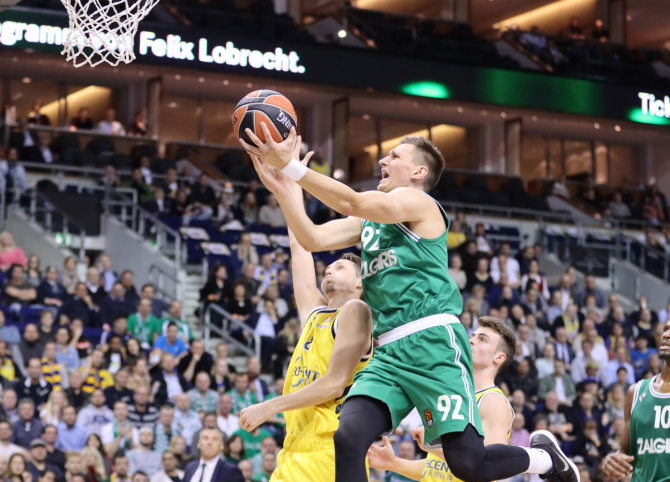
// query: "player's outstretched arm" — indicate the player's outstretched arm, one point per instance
point(617, 465)
point(307, 295)
point(353, 340)
point(382, 457)
point(399, 206)
point(337, 234)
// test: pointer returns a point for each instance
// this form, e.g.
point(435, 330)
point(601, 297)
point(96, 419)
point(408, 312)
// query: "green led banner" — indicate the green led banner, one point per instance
point(359, 68)
point(430, 89)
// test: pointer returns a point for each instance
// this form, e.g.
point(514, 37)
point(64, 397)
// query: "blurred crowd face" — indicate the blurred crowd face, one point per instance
point(5, 432)
point(210, 443)
point(97, 398)
point(225, 404)
point(170, 462)
point(26, 411)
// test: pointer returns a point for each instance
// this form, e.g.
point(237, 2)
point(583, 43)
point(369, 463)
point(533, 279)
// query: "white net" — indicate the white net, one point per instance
point(103, 30)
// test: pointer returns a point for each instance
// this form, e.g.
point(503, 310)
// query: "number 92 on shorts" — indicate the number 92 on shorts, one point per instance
point(430, 370)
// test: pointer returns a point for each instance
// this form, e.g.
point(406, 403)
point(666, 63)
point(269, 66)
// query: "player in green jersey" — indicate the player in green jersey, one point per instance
point(423, 359)
point(645, 445)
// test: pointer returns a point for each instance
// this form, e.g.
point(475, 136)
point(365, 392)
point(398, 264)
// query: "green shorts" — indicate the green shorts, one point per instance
point(430, 370)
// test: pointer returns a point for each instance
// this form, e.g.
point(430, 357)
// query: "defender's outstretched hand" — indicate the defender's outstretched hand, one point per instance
point(417, 436)
point(381, 457)
point(276, 154)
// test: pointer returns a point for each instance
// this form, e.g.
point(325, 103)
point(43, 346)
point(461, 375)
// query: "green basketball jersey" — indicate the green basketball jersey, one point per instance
point(649, 440)
point(404, 276)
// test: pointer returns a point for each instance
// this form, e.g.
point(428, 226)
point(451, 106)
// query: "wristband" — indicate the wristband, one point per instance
point(295, 170)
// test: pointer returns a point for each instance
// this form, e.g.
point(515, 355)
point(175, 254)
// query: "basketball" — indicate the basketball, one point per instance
point(264, 106)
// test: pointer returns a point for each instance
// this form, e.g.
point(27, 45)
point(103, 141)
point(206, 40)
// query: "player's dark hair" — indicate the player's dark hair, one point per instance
point(507, 343)
point(353, 258)
point(430, 156)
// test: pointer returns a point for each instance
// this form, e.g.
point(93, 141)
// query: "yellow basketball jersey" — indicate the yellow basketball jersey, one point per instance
point(436, 469)
point(309, 362)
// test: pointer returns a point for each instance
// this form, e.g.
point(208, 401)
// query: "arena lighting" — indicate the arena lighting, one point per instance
point(341, 33)
point(637, 115)
point(546, 13)
point(87, 96)
point(426, 88)
point(441, 133)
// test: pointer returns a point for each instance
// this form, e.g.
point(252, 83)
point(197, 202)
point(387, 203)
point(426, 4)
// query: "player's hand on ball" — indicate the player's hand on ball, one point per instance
point(254, 415)
point(276, 154)
point(617, 465)
point(381, 457)
point(277, 183)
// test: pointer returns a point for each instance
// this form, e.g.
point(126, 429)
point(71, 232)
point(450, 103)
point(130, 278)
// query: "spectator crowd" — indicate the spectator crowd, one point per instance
point(104, 381)
point(101, 377)
point(577, 350)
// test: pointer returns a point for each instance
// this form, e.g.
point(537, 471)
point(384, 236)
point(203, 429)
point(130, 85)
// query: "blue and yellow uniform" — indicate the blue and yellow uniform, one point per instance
point(309, 452)
point(436, 469)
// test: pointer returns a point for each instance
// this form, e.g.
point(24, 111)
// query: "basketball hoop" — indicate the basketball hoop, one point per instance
point(103, 30)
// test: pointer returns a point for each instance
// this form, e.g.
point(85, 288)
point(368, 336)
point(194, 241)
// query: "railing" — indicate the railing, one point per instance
point(163, 237)
point(508, 212)
point(115, 200)
point(625, 279)
point(62, 170)
point(161, 278)
point(650, 259)
point(41, 205)
point(228, 322)
point(123, 203)
point(85, 133)
point(149, 227)
point(587, 248)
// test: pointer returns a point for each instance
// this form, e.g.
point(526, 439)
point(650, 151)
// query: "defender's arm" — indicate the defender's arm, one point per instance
point(353, 340)
point(307, 295)
point(382, 457)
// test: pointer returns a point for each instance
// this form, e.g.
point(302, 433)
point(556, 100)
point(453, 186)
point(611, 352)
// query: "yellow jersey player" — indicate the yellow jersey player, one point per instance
point(493, 345)
point(336, 342)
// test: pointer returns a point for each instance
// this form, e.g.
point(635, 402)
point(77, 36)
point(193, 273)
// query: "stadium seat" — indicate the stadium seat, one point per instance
point(86, 159)
point(161, 166)
point(65, 141)
point(100, 145)
point(142, 150)
point(121, 162)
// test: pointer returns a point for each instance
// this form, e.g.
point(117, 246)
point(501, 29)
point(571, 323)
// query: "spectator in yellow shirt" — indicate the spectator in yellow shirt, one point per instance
point(455, 237)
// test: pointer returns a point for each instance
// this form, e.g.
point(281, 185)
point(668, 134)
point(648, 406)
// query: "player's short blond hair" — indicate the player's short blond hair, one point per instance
point(507, 343)
point(429, 156)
